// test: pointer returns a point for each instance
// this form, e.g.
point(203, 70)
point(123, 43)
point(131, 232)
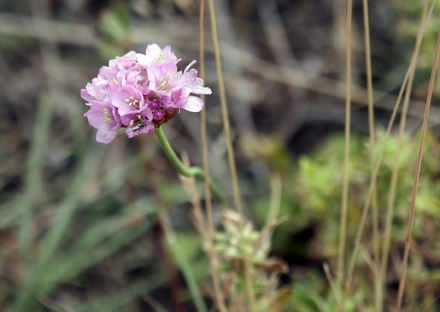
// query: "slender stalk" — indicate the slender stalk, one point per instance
point(366, 207)
point(343, 221)
point(219, 298)
point(172, 157)
point(225, 114)
point(394, 175)
point(369, 72)
point(184, 170)
point(376, 172)
point(375, 219)
point(335, 290)
point(231, 158)
point(417, 175)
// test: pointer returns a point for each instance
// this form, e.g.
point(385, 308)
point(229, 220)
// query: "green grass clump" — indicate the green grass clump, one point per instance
point(311, 200)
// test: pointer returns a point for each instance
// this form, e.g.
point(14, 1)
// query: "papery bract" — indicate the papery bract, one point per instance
point(140, 92)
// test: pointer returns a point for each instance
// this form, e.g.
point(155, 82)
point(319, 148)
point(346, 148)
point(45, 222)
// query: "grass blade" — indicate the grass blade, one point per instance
point(183, 264)
point(32, 179)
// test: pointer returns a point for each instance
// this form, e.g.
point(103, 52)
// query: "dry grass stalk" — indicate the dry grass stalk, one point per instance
point(218, 294)
point(376, 168)
point(231, 157)
point(394, 175)
point(345, 182)
point(417, 175)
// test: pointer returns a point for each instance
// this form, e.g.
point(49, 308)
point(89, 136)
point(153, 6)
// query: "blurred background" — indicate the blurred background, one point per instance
point(78, 220)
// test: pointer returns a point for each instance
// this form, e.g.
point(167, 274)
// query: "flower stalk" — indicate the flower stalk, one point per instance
point(184, 170)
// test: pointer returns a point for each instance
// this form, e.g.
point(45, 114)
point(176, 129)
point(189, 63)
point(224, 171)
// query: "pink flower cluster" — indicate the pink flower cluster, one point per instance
point(140, 92)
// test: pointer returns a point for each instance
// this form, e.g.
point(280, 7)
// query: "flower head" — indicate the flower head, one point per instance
point(140, 92)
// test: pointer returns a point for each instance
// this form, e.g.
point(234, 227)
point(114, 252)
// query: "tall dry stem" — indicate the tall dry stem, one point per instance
point(344, 208)
point(376, 172)
point(394, 174)
point(231, 157)
point(417, 175)
point(375, 217)
point(219, 298)
point(367, 202)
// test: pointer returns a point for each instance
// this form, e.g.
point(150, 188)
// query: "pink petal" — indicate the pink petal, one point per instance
point(189, 66)
point(167, 54)
point(86, 96)
point(106, 133)
point(118, 99)
point(94, 115)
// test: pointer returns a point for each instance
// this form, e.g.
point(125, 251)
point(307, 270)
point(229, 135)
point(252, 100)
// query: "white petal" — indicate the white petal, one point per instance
point(142, 59)
point(193, 104)
point(153, 49)
point(151, 54)
point(201, 90)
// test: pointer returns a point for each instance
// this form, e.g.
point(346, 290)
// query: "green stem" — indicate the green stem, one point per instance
point(184, 170)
